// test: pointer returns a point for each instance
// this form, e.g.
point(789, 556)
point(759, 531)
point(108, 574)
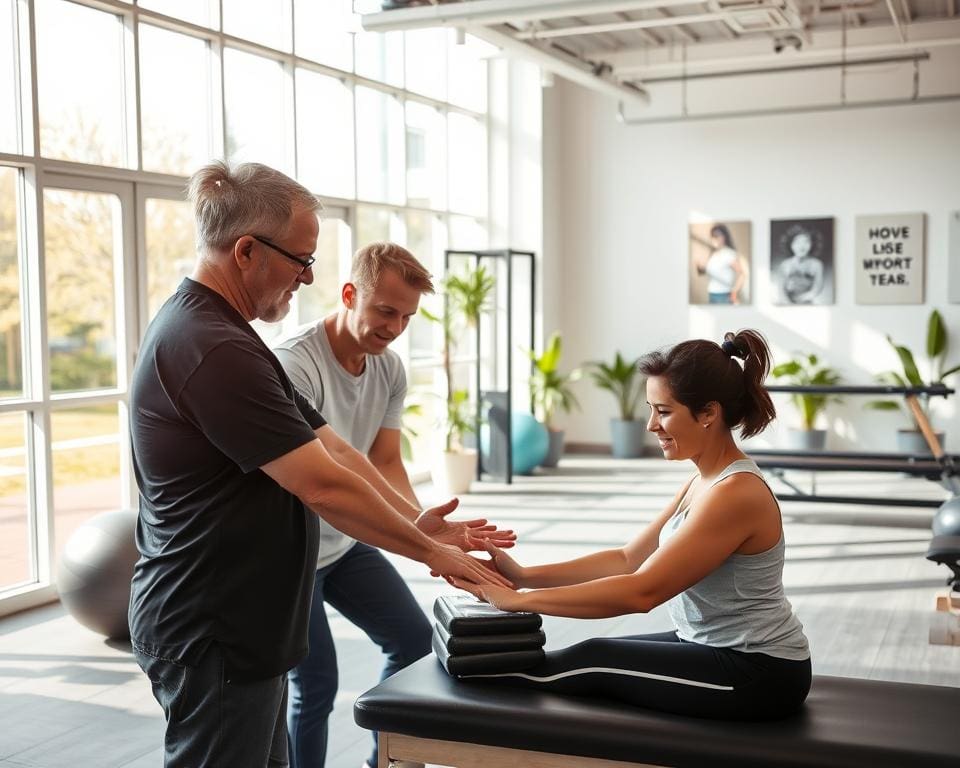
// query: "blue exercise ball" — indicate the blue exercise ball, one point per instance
point(946, 522)
point(93, 577)
point(529, 440)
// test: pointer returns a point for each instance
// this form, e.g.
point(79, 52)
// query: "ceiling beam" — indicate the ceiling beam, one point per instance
point(896, 21)
point(619, 26)
point(488, 12)
point(597, 76)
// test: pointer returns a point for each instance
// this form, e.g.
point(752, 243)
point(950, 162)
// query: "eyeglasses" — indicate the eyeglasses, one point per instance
point(305, 264)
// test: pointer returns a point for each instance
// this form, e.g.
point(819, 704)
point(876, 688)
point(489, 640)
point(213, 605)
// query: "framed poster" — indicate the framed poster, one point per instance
point(953, 258)
point(801, 261)
point(720, 262)
point(890, 259)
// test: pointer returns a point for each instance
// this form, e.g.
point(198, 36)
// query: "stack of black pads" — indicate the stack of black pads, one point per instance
point(474, 638)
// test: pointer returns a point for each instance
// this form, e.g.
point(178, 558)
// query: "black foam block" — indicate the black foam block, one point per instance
point(465, 616)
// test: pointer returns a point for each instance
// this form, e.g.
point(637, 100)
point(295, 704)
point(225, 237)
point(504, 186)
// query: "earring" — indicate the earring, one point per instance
point(706, 425)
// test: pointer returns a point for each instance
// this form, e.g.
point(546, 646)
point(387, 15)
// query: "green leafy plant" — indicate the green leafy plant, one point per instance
point(466, 298)
point(550, 389)
point(623, 380)
point(909, 376)
point(807, 370)
point(411, 411)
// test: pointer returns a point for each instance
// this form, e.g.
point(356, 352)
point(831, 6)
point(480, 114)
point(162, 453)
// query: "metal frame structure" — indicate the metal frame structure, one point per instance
point(505, 255)
point(938, 466)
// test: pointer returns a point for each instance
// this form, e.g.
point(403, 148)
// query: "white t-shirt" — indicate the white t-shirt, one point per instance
point(356, 407)
point(720, 272)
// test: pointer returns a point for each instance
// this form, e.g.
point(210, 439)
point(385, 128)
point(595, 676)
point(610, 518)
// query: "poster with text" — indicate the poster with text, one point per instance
point(720, 262)
point(890, 259)
point(801, 261)
point(953, 258)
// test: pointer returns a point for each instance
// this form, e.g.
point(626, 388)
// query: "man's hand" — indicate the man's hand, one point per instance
point(504, 598)
point(468, 535)
point(451, 563)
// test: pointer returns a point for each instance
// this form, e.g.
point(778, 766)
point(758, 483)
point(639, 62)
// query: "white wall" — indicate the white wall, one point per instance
point(617, 203)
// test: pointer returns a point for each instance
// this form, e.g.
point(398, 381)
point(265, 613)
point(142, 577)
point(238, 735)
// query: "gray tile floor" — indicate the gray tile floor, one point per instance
point(856, 576)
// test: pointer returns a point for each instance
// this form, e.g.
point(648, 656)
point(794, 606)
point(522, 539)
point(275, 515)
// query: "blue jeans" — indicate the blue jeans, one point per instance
point(368, 591)
point(719, 298)
point(212, 723)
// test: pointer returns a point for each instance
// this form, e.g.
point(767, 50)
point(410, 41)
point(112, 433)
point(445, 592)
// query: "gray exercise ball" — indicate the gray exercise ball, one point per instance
point(946, 522)
point(95, 572)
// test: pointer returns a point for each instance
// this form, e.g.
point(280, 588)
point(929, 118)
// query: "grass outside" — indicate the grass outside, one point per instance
point(71, 464)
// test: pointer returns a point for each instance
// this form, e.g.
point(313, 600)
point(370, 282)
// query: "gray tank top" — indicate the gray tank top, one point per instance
point(740, 605)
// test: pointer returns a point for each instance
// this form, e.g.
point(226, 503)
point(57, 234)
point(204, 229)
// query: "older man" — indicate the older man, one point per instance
point(231, 463)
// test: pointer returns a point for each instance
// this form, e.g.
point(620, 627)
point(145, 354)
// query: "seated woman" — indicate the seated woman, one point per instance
point(714, 555)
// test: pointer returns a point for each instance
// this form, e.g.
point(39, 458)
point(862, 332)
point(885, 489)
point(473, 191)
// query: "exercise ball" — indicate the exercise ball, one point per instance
point(95, 570)
point(946, 522)
point(529, 440)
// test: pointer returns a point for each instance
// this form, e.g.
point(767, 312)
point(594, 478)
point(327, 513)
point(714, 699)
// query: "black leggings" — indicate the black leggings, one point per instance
point(663, 672)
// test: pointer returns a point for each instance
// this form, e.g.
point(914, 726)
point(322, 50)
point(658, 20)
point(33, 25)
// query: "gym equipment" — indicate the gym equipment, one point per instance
point(946, 521)
point(507, 320)
point(945, 626)
point(529, 440)
point(474, 638)
point(424, 715)
point(95, 570)
point(940, 467)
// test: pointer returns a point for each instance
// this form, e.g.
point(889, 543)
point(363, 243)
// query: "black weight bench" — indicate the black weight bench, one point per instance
point(423, 715)
point(778, 460)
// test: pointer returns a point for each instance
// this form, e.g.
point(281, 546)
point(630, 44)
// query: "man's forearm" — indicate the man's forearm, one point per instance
point(396, 474)
point(355, 507)
point(358, 463)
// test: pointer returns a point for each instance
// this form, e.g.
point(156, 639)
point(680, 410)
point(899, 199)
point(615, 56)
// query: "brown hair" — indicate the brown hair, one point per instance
point(248, 199)
point(370, 261)
point(700, 372)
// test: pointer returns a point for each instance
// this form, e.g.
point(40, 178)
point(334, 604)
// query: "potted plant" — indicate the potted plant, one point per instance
point(624, 381)
point(550, 391)
point(912, 440)
point(807, 370)
point(466, 297)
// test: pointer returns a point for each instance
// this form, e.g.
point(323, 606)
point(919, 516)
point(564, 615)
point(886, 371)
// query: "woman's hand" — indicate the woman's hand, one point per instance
point(499, 597)
point(505, 565)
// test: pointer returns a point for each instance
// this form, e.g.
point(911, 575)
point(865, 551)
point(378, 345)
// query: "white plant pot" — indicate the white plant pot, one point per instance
point(454, 472)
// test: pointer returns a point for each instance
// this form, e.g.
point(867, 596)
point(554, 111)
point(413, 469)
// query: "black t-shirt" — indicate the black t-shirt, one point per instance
point(226, 554)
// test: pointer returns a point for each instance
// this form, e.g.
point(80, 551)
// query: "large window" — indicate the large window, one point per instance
point(8, 79)
point(258, 112)
point(174, 101)
point(128, 99)
point(80, 59)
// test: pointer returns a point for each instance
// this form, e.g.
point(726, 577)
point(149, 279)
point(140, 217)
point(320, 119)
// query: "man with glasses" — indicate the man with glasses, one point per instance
point(232, 463)
point(343, 366)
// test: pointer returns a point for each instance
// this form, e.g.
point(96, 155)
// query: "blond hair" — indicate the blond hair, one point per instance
point(370, 262)
point(249, 199)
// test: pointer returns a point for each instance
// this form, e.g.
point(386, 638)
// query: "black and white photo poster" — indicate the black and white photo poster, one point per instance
point(801, 261)
point(890, 259)
point(953, 258)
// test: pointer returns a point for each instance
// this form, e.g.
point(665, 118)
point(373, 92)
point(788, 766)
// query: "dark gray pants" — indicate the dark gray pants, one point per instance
point(212, 723)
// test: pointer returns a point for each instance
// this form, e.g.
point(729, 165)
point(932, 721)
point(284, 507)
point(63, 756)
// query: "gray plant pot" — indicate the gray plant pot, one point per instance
point(627, 438)
point(806, 439)
point(912, 441)
point(556, 448)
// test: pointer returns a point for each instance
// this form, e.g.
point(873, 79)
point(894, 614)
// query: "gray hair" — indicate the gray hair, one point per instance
point(248, 199)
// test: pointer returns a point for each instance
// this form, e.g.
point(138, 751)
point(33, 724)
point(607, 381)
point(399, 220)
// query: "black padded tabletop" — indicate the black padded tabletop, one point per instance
point(846, 722)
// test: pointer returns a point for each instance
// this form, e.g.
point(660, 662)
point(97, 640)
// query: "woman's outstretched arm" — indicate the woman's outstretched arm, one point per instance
point(597, 565)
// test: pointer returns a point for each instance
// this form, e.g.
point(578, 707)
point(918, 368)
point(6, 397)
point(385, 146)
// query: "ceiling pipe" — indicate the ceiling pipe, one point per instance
point(910, 102)
point(911, 57)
